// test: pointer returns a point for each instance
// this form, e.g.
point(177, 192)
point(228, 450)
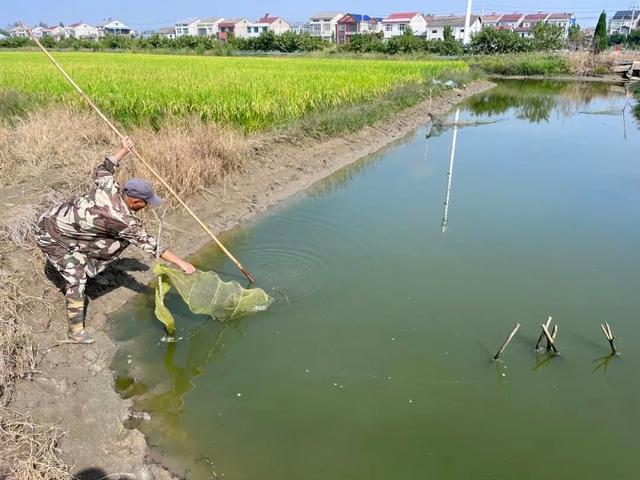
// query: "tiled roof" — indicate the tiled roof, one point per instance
point(493, 18)
point(401, 17)
point(451, 20)
point(511, 17)
point(560, 16)
point(325, 14)
point(268, 19)
point(532, 17)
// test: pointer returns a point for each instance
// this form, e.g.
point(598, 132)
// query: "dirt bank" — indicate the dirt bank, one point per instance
point(73, 386)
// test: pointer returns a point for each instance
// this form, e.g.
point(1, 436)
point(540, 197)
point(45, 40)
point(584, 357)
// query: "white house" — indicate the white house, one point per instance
point(624, 21)
point(113, 27)
point(510, 20)
point(565, 20)
point(436, 26)
point(208, 27)
point(18, 31)
point(60, 32)
point(490, 20)
point(323, 24)
point(40, 31)
point(187, 27)
point(299, 27)
point(167, 32)
point(397, 23)
point(83, 31)
point(276, 25)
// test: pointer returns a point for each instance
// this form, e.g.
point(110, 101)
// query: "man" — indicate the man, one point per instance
point(80, 237)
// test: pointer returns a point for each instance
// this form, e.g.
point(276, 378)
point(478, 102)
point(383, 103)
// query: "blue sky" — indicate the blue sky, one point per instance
point(148, 14)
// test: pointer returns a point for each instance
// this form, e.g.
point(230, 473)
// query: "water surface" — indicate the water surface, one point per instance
point(375, 360)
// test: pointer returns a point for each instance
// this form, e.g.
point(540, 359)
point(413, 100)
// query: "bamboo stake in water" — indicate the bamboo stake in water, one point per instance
point(541, 337)
point(506, 342)
point(139, 157)
point(549, 338)
point(610, 337)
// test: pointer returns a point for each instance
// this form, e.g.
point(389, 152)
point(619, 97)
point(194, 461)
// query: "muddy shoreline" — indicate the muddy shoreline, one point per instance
point(74, 387)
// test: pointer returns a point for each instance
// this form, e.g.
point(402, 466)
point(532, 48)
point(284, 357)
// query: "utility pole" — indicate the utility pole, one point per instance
point(467, 23)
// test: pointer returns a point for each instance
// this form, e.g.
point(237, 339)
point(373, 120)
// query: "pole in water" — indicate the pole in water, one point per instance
point(541, 337)
point(447, 198)
point(608, 333)
point(554, 334)
point(506, 342)
point(142, 160)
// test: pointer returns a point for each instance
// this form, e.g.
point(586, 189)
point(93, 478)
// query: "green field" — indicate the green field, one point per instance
point(250, 93)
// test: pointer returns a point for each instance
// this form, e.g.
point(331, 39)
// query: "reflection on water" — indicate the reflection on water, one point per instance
point(535, 101)
point(375, 360)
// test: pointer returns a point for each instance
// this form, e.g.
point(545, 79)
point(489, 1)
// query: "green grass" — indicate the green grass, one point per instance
point(252, 94)
point(521, 64)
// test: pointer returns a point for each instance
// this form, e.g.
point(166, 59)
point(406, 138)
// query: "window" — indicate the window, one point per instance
point(248, 29)
point(326, 27)
point(264, 29)
point(388, 27)
point(435, 32)
point(402, 27)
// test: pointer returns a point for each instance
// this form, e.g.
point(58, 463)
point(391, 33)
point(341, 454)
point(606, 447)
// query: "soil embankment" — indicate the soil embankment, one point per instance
point(73, 386)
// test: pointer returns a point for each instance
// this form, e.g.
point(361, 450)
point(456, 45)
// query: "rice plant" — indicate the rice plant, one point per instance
point(252, 94)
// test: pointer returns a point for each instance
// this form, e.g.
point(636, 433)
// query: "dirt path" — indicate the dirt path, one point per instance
point(74, 386)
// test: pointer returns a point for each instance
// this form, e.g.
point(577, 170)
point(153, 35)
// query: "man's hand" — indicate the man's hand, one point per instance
point(125, 149)
point(127, 144)
point(185, 266)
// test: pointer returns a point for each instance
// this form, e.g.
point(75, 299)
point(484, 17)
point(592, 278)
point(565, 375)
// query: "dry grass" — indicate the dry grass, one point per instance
point(585, 63)
point(29, 451)
point(17, 351)
point(58, 147)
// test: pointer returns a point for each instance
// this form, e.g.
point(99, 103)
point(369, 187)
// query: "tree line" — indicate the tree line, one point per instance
point(545, 37)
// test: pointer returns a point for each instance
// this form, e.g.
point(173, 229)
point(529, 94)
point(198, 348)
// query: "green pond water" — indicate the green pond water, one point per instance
point(375, 360)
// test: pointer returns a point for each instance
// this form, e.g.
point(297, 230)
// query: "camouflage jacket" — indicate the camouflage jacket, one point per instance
point(98, 224)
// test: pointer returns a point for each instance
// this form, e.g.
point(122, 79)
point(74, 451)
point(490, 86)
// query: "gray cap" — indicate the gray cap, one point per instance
point(141, 189)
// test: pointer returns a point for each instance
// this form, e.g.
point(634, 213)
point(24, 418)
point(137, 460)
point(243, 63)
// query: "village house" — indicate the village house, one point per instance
point(491, 20)
point(299, 27)
point(237, 27)
point(167, 32)
point(59, 32)
point(437, 24)
point(209, 27)
point(113, 27)
point(397, 23)
point(525, 29)
point(355, 23)
point(323, 24)
point(565, 20)
point(276, 25)
point(40, 31)
point(624, 21)
point(187, 27)
point(510, 21)
point(3, 36)
point(83, 31)
point(18, 31)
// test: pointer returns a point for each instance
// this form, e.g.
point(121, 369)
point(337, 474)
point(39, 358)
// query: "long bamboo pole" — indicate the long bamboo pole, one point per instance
point(139, 157)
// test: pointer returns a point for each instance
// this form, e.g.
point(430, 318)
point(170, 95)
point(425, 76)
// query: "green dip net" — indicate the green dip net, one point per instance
point(205, 292)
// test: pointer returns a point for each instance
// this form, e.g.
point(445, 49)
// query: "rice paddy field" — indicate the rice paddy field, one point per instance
point(252, 94)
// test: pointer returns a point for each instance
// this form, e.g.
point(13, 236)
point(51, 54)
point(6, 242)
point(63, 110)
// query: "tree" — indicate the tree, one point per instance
point(600, 41)
point(490, 41)
point(447, 33)
point(576, 39)
point(547, 36)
